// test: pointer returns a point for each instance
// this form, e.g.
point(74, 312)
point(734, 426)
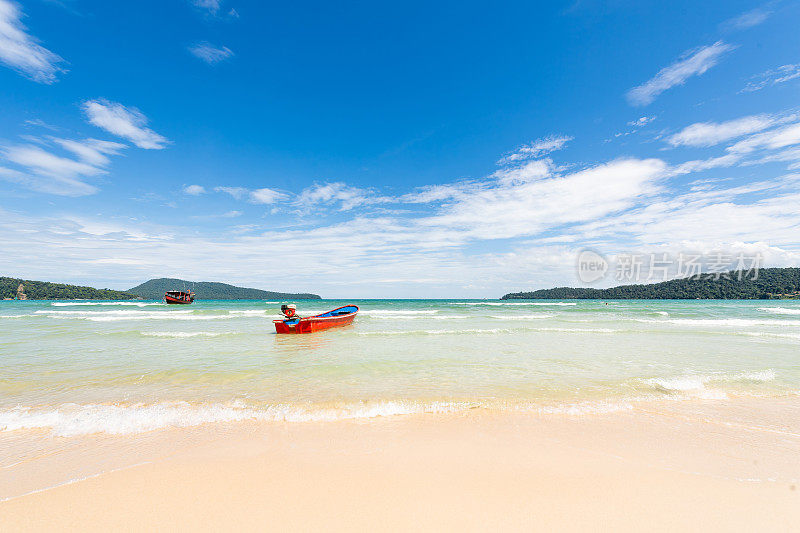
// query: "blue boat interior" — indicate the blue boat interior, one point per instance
point(341, 311)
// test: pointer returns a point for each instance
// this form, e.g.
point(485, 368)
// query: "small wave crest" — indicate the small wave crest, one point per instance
point(698, 383)
point(523, 317)
point(72, 419)
point(515, 303)
point(183, 334)
point(135, 304)
point(436, 332)
point(780, 310)
point(380, 312)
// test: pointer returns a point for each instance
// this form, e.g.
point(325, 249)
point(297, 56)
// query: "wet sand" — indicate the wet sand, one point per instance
point(730, 466)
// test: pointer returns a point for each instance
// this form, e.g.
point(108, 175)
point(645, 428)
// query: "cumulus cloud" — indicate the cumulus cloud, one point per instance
point(210, 53)
point(21, 52)
point(711, 133)
point(692, 63)
point(194, 190)
point(126, 122)
point(537, 148)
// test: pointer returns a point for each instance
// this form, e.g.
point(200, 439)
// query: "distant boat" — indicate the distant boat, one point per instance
point(179, 297)
point(341, 316)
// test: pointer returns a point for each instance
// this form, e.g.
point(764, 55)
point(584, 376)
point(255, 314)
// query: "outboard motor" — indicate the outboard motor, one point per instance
point(289, 310)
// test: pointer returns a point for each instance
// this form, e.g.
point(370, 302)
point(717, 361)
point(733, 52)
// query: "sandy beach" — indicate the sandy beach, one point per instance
point(688, 466)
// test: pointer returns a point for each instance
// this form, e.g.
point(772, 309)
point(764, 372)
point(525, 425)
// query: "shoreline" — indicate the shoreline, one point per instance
point(727, 465)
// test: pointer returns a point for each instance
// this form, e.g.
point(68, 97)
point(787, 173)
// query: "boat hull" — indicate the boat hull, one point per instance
point(180, 301)
point(316, 323)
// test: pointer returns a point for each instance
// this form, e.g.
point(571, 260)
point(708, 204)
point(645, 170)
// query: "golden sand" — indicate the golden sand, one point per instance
point(695, 467)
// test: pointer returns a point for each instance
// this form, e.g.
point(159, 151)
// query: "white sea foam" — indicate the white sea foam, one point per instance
point(435, 332)
point(135, 304)
point(698, 382)
point(379, 312)
point(124, 315)
point(780, 310)
point(769, 334)
point(582, 330)
point(251, 312)
point(585, 408)
point(523, 317)
point(181, 334)
point(72, 419)
point(515, 303)
point(721, 322)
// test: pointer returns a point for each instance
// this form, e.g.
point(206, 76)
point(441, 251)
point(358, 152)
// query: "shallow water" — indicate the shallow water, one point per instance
point(74, 368)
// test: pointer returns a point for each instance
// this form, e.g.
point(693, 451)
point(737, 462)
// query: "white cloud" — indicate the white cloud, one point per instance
point(210, 53)
point(48, 172)
point(236, 192)
point(513, 208)
point(266, 196)
point(212, 6)
point(641, 121)
point(537, 148)
point(20, 51)
point(776, 76)
point(194, 190)
point(91, 151)
point(711, 133)
point(334, 193)
point(782, 137)
point(692, 63)
point(515, 228)
point(40, 169)
point(751, 18)
point(125, 122)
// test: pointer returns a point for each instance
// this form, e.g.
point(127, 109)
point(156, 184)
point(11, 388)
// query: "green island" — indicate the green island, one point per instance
point(25, 289)
point(210, 290)
point(770, 284)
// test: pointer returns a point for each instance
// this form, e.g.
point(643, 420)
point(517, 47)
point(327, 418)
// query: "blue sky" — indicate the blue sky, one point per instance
point(417, 150)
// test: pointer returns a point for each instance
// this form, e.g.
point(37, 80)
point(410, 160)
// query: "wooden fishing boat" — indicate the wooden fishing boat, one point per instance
point(179, 297)
point(341, 316)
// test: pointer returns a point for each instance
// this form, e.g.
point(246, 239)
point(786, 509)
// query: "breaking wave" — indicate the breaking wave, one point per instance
point(182, 334)
point(72, 419)
point(135, 304)
point(780, 310)
point(515, 303)
point(698, 383)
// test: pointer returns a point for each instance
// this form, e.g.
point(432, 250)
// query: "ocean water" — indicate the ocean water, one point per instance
point(77, 368)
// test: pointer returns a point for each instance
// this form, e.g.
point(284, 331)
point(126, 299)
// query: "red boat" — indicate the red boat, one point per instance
point(341, 316)
point(179, 297)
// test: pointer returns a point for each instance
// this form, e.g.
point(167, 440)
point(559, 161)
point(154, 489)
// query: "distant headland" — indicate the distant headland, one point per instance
point(771, 283)
point(211, 290)
point(25, 289)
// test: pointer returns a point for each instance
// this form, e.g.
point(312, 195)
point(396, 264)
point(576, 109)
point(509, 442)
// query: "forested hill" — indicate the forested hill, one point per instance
point(770, 283)
point(208, 290)
point(43, 290)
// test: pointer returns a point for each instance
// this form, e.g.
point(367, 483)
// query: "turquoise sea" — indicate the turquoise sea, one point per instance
point(73, 368)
